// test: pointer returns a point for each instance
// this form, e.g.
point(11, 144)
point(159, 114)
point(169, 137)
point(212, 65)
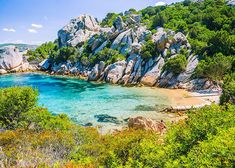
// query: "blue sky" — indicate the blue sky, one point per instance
point(37, 21)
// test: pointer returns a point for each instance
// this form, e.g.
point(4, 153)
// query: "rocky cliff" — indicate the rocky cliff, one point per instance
point(128, 38)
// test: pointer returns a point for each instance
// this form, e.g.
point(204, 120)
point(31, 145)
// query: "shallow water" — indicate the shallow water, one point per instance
point(82, 100)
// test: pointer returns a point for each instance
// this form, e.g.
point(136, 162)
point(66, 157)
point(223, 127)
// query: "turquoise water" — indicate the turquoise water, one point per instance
point(82, 100)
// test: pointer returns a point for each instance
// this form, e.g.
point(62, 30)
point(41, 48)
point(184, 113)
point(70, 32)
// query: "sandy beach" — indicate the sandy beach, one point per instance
point(180, 97)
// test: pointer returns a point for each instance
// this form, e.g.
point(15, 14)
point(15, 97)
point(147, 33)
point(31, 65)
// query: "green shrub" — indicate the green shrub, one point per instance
point(66, 53)
point(107, 55)
point(176, 65)
point(214, 68)
point(44, 51)
point(148, 50)
point(14, 103)
point(228, 95)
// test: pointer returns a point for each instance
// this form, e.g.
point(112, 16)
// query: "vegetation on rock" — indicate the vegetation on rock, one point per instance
point(176, 64)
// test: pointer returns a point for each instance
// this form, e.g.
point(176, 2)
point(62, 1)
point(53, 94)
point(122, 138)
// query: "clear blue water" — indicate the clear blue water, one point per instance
point(82, 100)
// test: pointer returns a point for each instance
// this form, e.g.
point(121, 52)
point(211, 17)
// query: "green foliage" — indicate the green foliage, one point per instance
point(14, 103)
point(19, 110)
point(222, 42)
point(148, 50)
point(107, 55)
point(176, 65)
point(214, 68)
point(66, 53)
point(228, 95)
point(109, 19)
point(205, 139)
point(42, 52)
point(209, 24)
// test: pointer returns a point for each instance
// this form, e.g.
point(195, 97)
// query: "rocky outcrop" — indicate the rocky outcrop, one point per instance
point(11, 60)
point(152, 76)
point(45, 64)
point(119, 24)
point(147, 124)
point(115, 72)
point(78, 31)
point(128, 37)
point(96, 71)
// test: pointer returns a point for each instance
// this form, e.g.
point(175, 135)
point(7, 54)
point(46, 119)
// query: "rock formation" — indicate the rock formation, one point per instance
point(11, 60)
point(128, 38)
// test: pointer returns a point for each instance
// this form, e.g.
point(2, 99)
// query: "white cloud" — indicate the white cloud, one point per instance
point(32, 31)
point(160, 3)
point(36, 25)
point(9, 30)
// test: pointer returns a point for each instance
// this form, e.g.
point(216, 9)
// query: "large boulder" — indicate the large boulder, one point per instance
point(96, 71)
point(115, 72)
point(151, 77)
point(160, 39)
point(10, 57)
point(147, 124)
point(78, 31)
point(2, 71)
point(129, 68)
point(122, 37)
point(133, 19)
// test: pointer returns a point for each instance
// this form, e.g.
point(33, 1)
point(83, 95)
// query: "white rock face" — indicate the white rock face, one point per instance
point(116, 71)
point(10, 58)
point(96, 71)
point(192, 64)
point(151, 77)
point(78, 31)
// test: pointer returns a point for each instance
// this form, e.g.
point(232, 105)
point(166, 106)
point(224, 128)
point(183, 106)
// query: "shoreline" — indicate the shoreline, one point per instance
point(178, 97)
point(180, 100)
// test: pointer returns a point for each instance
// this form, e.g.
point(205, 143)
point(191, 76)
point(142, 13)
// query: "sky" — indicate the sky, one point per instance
point(38, 21)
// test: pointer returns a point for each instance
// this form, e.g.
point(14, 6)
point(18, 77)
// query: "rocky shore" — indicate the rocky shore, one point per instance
point(129, 38)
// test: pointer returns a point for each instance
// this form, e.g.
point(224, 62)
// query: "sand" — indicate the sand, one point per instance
point(180, 97)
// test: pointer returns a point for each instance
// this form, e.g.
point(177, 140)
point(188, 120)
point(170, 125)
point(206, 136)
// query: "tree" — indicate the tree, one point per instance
point(42, 52)
point(222, 42)
point(14, 102)
point(214, 68)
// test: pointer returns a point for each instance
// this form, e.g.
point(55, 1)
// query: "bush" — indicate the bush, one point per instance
point(14, 103)
point(18, 109)
point(228, 95)
point(107, 55)
point(214, 68)
point(67, 53)
point(42, 52)
point(176, 65)
point(148, 50)
point(205, 139)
